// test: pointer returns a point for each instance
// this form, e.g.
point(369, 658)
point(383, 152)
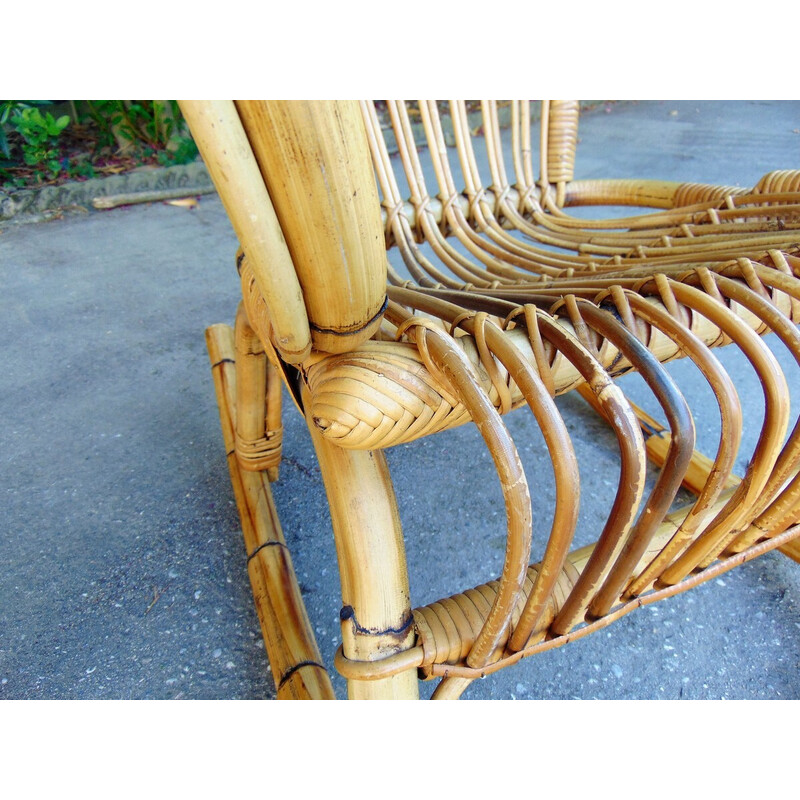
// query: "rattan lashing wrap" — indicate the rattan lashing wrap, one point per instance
point(261, 453)
point(562, 137)
point(779, 181)
point(447, 628)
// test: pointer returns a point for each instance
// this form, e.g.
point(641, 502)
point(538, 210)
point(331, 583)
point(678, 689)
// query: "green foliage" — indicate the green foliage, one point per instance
point(40, 134)
point(146, 127)
point(182, 150)
point(78, 168)
point(9, 111)
point(107, 136)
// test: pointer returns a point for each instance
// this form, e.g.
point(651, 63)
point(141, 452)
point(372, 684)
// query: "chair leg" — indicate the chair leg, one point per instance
point(376, 609)
point(293, 654)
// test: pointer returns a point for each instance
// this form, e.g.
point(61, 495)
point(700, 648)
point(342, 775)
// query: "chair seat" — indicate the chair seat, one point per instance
point(383, 394)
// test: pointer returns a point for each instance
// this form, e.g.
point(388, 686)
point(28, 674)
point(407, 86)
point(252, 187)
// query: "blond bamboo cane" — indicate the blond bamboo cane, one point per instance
point(223, 144)
point(697, 477)
point(294, 657)
point(259, 429)
point(274, 421)
point(376, 610)
point(314, 158)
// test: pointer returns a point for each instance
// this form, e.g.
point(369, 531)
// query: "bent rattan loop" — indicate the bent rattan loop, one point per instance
point(451, 362)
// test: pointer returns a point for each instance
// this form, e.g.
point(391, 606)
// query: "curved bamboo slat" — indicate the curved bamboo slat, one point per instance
point(509, 300)
point(222, 142)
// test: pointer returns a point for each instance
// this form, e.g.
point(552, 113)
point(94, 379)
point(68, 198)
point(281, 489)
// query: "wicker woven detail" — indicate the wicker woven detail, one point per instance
point(562, 137)
point(434, 653)
point(383, 394)
point(380, 395)
point(786, 541)
point(258, 454)
point(783, 180)
point(689, 194)
point(468, 226)
point(447, 628)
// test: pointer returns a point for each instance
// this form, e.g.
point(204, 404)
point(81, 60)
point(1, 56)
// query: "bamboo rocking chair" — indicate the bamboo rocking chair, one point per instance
point(507, 298)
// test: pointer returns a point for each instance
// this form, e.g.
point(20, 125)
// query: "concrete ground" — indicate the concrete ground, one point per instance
point(122, 568)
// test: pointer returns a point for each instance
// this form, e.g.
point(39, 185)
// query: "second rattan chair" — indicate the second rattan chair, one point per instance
point(504, 299)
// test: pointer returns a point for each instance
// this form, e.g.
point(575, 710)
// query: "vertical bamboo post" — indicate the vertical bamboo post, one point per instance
point(376, 608)
point(315, 161)
point(258, 402)
point(223, 144)
point(289, 639)
point(274, 408)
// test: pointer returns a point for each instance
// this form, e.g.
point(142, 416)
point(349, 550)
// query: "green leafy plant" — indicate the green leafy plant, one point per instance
point(9, 110)
point(78, 168)
point(38, 145)
point(147, 127)
point(40, 133)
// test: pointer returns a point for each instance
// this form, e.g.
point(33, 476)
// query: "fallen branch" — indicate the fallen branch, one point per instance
point(116, 200)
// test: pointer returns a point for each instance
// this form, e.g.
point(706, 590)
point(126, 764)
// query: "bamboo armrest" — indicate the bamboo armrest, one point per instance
point(644, 193)
point(383, 393)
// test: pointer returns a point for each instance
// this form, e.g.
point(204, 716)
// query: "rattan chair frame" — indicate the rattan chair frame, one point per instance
point(509, 300)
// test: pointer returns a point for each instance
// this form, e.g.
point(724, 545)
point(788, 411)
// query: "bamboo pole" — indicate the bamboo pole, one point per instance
point(314, 158)
point(131, 198)
point(258, 402)
point(223, 144)
point(289, 639)
point(698, 475)
point(376, 610)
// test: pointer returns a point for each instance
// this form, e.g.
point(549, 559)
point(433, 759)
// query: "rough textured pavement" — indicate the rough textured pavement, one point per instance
point(122, 569)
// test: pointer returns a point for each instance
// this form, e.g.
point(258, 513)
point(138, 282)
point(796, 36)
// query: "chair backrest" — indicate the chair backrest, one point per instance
point(411, 126)
point(300, 189)
point(296, 180)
